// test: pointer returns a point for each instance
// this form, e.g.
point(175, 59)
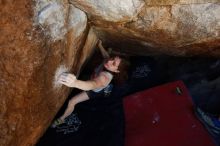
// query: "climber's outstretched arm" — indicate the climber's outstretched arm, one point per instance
point(105, 54)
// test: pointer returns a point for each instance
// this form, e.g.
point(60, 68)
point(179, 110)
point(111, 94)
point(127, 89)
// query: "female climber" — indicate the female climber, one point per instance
point(98, 86)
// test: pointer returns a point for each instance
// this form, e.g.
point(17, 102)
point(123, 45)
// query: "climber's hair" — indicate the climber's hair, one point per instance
point(122, 76)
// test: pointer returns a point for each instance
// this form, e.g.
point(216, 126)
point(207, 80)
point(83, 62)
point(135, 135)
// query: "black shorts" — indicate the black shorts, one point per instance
point(97, 95)
point(93, 95)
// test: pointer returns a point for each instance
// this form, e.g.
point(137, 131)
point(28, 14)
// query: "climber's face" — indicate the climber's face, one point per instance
point(112, 64)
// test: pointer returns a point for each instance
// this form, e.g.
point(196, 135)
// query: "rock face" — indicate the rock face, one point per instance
point(110, 10)
point(41, 39)
point(171, 27)
point(38, 42)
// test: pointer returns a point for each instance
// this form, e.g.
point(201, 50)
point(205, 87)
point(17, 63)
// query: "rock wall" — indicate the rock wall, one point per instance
point(39, 40)
point(174, 27)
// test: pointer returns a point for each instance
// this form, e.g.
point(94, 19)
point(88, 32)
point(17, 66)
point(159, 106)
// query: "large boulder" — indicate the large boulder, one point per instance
point(182, 28)
point(38, 41)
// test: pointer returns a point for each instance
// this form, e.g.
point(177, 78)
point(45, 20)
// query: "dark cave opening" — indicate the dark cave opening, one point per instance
point(101, 122)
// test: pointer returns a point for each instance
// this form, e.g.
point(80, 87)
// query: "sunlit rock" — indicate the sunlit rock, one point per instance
point(110, 10)
point(52, 15)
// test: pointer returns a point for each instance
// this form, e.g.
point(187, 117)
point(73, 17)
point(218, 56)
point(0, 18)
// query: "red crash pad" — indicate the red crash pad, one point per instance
point(163, 116)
